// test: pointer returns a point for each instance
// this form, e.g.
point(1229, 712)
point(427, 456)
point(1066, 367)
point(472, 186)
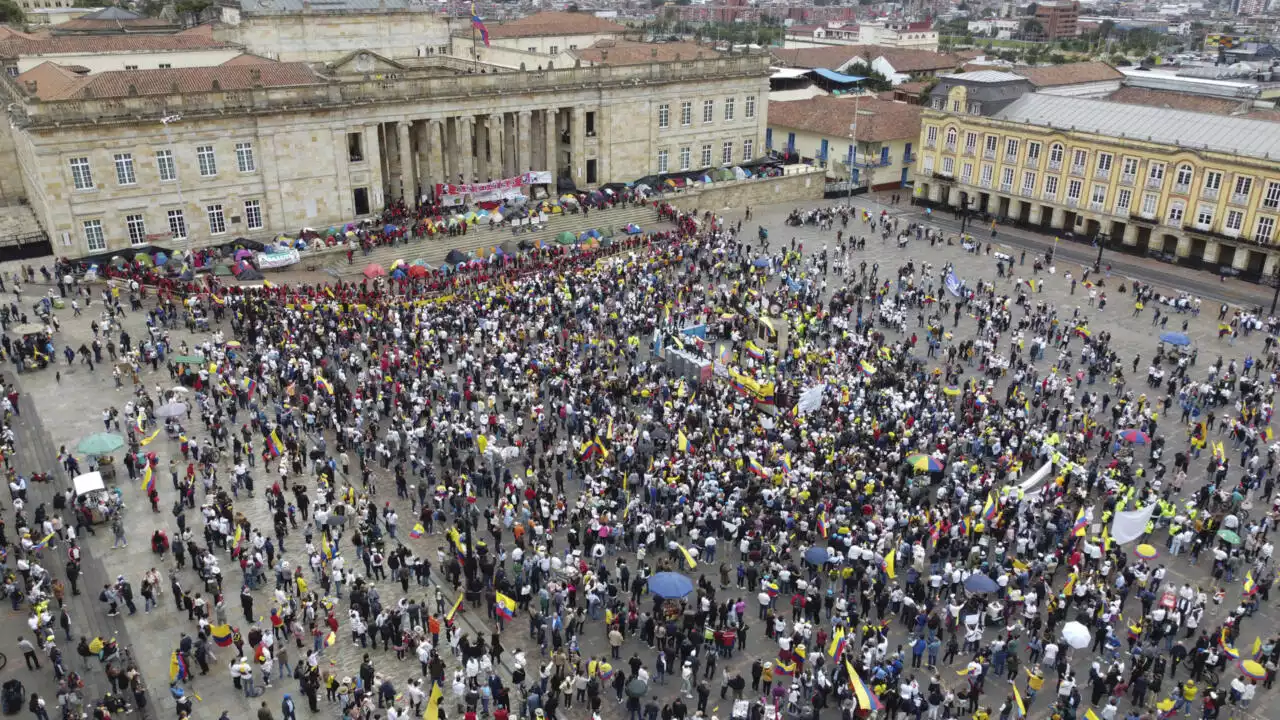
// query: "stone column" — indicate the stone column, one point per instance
point(497, 148)
point(422, 155)
point(935, 191)
point(435, 152)
point(408, 187)
point(466, 152)
point(953, 195)
point(553, 145)
point(1130, 234)
point(1059, 218)
point(1015, 209)
point(373, 151)
point(524, 161)
point(577, 145)
point(392, 160)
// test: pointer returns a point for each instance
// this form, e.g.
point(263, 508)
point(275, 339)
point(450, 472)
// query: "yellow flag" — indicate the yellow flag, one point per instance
point(147, 440)
point(1091, 715)
point(688, 559)
point(433, 703)
point(888, 564)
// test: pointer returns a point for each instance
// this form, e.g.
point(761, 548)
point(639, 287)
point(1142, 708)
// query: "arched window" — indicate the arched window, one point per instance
point(951, 138)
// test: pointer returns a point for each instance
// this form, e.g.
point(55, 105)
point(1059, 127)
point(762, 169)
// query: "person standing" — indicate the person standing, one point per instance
point(29, 653)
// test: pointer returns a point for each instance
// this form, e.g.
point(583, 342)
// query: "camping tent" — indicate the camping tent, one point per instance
point(456, 256)
point(566, 238)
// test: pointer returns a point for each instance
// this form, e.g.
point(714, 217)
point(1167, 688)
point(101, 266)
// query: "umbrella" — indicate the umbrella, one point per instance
point(180, 389)
point(1076, 635)
point(979, 583)
point(1253, 669)
point(951, 390)
point(28, 328)
point(171, 410)
point(1145, 551)
point(924, 463)
point(1175, 338)
point(1137, 437)
point(670, 585)
point(188, 360)
point(817, 555)
point(100, 444)
point(418, 271)
point(243, 255)
point(374, 270)
point(637, 688)
point(760, 262)
point(455, 256)
point(1229, 536)
point(566, 238)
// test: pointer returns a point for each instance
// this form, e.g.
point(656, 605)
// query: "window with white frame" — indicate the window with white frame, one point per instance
point(970, 142)
point(253, 214)
point(1104, 163)
point(1177, 209)
point(951, 138)
point(706, 155)
point(991, 142)
point(1006, 179)
point(1129, 167)
point(1055, 155)
point(208, 163)
point(1155, 173)
point(726, 152)
point(984, 177)
point(1234, 222)
point(167, 169)
point(1271, 198)
point(1033, 152)
point(1204, 216)
point(966, 172)
point(748, 149)
point(948, 166)
point(1213, 181)
point(664, 116)
point(137, 227)
point(1028, 182)
point(1078, 160)
point(927, 164)
point(217, 219)
point(1098, 195)
point(662, 161)
point(1150, 201)
point(81, 175)
point(1051, 186)
point(124, 169)
point(1264, 229)
point(729, 108)
point(244, 157)
point(686, 113)
point(749, 107)
point(708, 111)
point(1183, 177)
point(1243, 186)
point(177, 225)
point(1074, 188)
point(1011, 148)
point(686, 158)
point(931, 135)
point(1124, 198)
point(93, 237)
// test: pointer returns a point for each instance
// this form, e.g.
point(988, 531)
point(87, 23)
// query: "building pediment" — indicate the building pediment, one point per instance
point(364, 62)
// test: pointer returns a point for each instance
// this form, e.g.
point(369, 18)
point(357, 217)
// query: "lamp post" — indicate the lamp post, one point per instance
point(853, 147)
point(1275, 277)
point(166, 121)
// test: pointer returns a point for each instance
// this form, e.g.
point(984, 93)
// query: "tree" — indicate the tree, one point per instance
point(11, 13)
point(1032, 28)
point(1030, 9)
point(191, 9)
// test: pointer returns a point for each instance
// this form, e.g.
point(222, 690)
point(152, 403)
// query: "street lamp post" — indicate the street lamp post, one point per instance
point(166, 121)
point(1275, 277)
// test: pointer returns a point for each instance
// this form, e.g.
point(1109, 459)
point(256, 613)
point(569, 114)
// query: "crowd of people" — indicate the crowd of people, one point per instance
point(488, 473)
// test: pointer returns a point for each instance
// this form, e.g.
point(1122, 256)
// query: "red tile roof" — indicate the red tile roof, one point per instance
point(1068, 74)
point(555, 23)
point(628, 52)
point(127, 83)
point(878, 120)
point(48, 80)
point(1195, 103)
point(18, 46)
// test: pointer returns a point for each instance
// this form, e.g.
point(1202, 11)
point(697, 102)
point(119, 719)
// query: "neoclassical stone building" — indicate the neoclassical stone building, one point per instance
point(255, 147)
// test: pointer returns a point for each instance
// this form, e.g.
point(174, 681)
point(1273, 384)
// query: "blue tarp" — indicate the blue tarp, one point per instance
point(834, 76)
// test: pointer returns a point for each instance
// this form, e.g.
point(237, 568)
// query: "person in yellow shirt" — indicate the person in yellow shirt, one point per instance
point(982, 714)
point(1035, 681)
point(1188, 696)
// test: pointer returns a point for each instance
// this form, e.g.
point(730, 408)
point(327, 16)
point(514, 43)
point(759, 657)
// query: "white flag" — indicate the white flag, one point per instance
point(1130, 525)
point(810, 399)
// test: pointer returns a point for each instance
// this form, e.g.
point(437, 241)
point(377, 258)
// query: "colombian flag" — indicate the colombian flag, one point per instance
point(1250, 587)
point(755, 352)
point(757, 468)
point(682, 442)
point(417, 531)
point(221, 635)
point(331, 638)
point(324, 384)
point(1082, 520)
point(837, 643)
point(274, 446)
point(148, 481)
point(1019, 708)
point(866, 698)
point(478, 24)
point(989, 510)
point(454, 610)
point(784, 669)
point(504, 606)
point(688, 559)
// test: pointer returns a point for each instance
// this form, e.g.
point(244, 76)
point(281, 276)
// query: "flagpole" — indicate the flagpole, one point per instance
point(475, 49)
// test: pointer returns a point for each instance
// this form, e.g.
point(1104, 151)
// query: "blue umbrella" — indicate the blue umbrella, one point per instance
point(760, 262)
point(979, 583)
point(1175, 338)
point(670, 585)
point(817, 555)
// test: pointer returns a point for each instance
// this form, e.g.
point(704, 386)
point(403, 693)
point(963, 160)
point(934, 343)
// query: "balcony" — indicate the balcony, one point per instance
point(950, 147)
point(1155, 182)
point(1239, 198)
point(939, 175)
point(1269, 204)
point(1102, 173)
point(872, 162)
point(909, 158)
point(1143, 217)
point(968, 152)
point(930, 144)
point(1010, 159)
point(1072, 202)
point(1028, 192)
point(1209, 193)
point(1055, 165)
point(1128, 179)
point(1181, 189)
point(988, 154)
point(984, 183)
point(1050, 196)
point(1095, 206)
point(1033, 161)
point(1077, 170)
point(1207, 231)
point(1006, 187)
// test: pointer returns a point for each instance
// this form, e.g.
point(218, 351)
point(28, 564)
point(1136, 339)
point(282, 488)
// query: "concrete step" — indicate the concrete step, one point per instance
point(435, 248)
point(17, 220)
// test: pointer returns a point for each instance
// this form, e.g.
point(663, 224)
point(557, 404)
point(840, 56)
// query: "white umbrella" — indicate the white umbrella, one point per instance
point(180, 389)
point(1076, 635)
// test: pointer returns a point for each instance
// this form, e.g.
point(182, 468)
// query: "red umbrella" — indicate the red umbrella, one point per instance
point(374, 270)
point(417, 271)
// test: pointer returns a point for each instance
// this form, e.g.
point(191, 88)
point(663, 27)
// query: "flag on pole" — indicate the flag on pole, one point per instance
point(148, 481)
point(433, 703)
point(504, 606)
point(837, 643)
point(274, 446)
point(867, 699)
point(222, 635)
point(688, 558)
point(454, 610)
point(478, 24)
point(1019, 708)
point(682, 442)
point(1250, 587)
point(888, 564)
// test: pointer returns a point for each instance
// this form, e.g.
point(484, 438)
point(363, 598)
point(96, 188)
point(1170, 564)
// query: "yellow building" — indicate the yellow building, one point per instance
point(1204, 188)
point(821, 130)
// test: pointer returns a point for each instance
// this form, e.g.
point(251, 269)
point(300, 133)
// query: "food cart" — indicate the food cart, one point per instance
point(91, 491)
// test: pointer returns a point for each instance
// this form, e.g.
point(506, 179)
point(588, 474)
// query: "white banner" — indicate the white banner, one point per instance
point(270, 261)
point(1131, 524)
point(811, 399)
point(494, 189)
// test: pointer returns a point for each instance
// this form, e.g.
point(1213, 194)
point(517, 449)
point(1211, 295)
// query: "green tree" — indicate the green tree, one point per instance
point(1031, 9)
point(11, 13)
point(1032, 28)
point(191, 9)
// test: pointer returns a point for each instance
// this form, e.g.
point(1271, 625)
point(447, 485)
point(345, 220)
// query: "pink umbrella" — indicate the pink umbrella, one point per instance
point(374, 270)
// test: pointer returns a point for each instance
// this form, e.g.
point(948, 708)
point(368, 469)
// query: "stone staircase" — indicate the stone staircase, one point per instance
point(18, 220)
point(434, 248)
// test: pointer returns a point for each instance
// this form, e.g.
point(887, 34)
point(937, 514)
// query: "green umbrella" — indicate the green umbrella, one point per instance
point(100, 444)
point(221, 270)
point(1229, 536)
point(188, 360)
point(566, 238)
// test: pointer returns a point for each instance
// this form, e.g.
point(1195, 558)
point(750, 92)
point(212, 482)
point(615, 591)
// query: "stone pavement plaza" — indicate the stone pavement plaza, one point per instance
point(71, 409)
